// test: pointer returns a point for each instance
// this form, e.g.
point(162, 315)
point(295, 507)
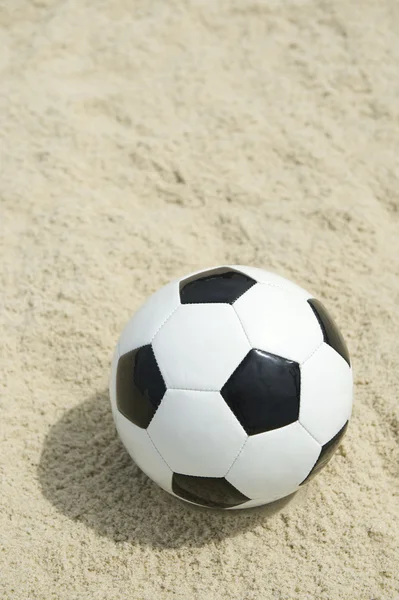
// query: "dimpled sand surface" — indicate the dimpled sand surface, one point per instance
point(143, 139)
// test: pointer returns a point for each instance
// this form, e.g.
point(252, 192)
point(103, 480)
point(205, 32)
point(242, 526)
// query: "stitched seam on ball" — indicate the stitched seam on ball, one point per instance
point(164, 382)
point(163, 323)
point(314, 352)
point(281, 287)
point(311, 435)
point(242, 326)
point(152, 442)
point(275, 285)
point(290, 292)
point(156, 360)
point(241, 449)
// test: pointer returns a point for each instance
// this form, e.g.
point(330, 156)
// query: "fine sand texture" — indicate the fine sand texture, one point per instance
point(143, 139)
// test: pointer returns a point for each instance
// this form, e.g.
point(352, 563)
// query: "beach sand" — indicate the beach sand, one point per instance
point(144, 139)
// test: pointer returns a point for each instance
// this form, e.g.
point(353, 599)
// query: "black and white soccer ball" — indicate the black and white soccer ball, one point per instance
point(231, 387)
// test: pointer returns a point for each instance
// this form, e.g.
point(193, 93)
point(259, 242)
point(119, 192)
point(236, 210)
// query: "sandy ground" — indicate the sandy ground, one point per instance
point(140, 140)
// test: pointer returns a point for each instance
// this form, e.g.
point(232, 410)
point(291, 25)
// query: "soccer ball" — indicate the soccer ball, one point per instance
point(231, 387)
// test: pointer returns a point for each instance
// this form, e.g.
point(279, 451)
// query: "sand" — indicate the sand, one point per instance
point(144, 139)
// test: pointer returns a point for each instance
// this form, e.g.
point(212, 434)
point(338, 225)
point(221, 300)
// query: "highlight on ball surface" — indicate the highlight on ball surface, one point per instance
point(232, 387)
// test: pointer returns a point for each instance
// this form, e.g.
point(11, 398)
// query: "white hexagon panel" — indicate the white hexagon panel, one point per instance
point(326, 394)
point(200, 346)
point(149, 318)
point(272, 465)
point(196, 433)
point(279, 322)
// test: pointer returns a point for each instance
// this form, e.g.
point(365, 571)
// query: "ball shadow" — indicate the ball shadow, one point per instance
point(88, 476)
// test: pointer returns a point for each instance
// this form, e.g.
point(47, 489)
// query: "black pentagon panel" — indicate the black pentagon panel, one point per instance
point(213, 492)
point(139, 386)
point(326, 453)
point(216, 285)
point(264, 392)
point(331, 333)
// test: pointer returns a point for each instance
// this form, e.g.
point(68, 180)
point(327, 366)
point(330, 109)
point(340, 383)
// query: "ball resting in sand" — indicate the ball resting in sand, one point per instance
point(231, 387)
